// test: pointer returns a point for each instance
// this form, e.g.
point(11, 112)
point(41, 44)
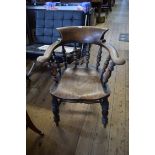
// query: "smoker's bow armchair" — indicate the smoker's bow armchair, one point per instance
point(82, 83)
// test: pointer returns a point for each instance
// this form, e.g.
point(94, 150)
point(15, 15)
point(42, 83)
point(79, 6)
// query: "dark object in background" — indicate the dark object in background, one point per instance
point(29, 124)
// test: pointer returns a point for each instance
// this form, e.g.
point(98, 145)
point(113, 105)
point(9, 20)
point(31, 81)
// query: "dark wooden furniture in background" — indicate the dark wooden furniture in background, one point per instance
point(107, 5)
point(83, 83)
point(29, 124)
point(97, 4)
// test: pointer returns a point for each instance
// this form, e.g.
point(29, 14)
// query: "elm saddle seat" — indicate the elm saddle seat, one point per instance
point(82, 83)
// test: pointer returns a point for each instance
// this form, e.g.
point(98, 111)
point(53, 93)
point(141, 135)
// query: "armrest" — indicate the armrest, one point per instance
point(48, 52)
point(113, 54)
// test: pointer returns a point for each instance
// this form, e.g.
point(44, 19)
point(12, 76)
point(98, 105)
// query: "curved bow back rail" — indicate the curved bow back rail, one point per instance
point(86, 35)
point(82, 34)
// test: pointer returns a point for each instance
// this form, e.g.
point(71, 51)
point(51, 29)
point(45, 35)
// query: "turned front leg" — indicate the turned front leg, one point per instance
point(55, 109)
point(105, 107)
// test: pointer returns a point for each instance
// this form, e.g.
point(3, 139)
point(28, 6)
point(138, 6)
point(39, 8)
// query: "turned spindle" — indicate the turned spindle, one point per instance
point(87, 55)
point(106, 63)
point(108, 72)
point(64, 56)
point(75, 56)
point(56, 64)
point(99, 57)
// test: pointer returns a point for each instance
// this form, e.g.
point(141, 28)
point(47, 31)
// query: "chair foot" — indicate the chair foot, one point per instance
point(105, 106)
point(55, 109)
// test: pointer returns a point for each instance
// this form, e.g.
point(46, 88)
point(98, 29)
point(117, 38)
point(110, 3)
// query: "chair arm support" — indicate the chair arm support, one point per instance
point(113, 54)
point(108, 72)
point(48, 52)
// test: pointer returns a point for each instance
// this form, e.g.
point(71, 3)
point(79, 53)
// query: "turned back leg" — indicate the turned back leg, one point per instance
point(55, 109)
point(105, 107)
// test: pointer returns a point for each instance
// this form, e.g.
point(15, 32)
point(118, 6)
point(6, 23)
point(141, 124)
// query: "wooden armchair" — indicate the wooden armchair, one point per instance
point(82, 83)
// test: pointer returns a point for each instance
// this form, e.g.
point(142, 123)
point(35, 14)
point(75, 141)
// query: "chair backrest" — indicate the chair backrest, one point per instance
point(88, 35)
point(48, 20)
point(82, 34)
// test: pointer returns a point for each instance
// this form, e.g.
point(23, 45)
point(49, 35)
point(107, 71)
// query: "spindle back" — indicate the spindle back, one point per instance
point(86, 36)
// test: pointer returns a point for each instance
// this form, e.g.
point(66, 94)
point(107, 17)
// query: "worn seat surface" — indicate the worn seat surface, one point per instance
point(80, 83)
